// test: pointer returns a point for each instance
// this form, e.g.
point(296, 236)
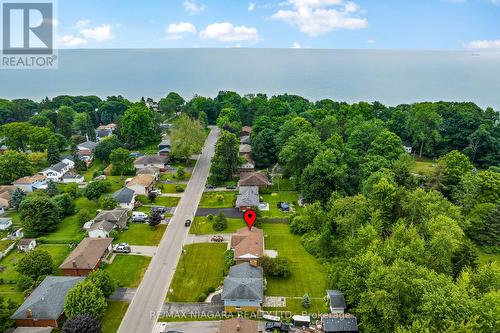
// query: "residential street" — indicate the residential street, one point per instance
point(151, 294)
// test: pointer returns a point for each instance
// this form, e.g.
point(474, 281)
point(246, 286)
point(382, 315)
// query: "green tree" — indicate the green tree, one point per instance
point(154, 219)
point(181, 172)
point(64, 122)
point(39, 214)
point(36, 264)
point(298, 152)
point(53, 153)
point(14, 165)
point(51, 188)
point(102, 280)
point(107, 202)
point(85, 299)
point(229, 120)
point(83, 125)
point(80, 324)
point(16, 135)
point(137, 127)
point(171, 104)
point(96, 188)
point(226, 159)
point(264, 150)
point(122, 162)
point(220, 222)
point(65, 203)
point(17, 197)
point(187, 138)
point(388, 145)
point(423, 124)
point(306, 301)
point(105, 147)
point(290, 128)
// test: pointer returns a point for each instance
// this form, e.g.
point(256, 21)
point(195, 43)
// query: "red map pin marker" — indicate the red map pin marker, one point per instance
point(250, 218)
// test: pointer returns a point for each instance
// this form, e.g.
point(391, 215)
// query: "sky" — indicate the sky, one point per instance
point(328, 24)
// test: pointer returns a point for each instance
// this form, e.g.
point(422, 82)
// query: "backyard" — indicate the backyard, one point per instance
point(424, 167)
point(141, 234)
point(200, 267)
point(216, 199)
point(128, 270)
point(292, 197)
point(201, 226)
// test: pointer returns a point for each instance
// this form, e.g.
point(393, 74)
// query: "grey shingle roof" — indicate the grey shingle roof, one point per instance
point(336, 298)
point(248, 196)
point(104, 225)
point(340, 324)
point(244, 282)
point(117, 216)
point(47, 300)
point(151, 159)
point(124, 195)
point(88, 145)
point(57, 167)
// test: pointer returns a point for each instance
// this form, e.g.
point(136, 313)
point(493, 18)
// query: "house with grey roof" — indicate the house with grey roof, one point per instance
point(44, 307)
point(101, 229)
point(247, 198)
point(5, 223)
point(146, 161)
point(336, 301)
point(339, 323)
point(86, 150)
point(164, 147)
point(118, 217)
point(56, 171)
point(243, 288)
point(125, 198)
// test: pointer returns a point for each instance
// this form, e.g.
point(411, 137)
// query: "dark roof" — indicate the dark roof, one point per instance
point(336, 299)
point(165, 142)
point(248, 196)
point(116, 216)
point(124, 195)
point(346, 323)
point(68, 157)
point(151, 159)
point(100, 133)
point(244, 282)
point(88, 145)
point(253, 179)
point(57, 167)
point(47, 300)
point(103, 225)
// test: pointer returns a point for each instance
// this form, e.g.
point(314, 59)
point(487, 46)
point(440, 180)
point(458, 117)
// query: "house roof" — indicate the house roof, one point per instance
point(150, 170)
point(87, 254)
point(5, 221)
point(253, 179)
point(116, 216)
point(245, 148)
point(248, 196)
point(165, 142)
point(247, 165)
point(124, 195)
point(244, 281)
point(143, 180)
point(106, 127)
point(336, 298)
point(246, 129)
point(58, 167)
point(248, 242)
point(47, 300)
point(25, 241)
point(151, 159)
point(68, 157)
point(103, 225)
point(72, 175)
point(245, 139)
point(88, 145)
point(101, 133)
point(238, 325)
point(346, 323)
point(6, 192)
point(30, 179)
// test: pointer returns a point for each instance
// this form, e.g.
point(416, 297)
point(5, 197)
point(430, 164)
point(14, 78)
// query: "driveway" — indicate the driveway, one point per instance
point(194, 239)
point(194, 326)
point(229, 212)
point(142, 313)
point(148, 251)
point(123, 294)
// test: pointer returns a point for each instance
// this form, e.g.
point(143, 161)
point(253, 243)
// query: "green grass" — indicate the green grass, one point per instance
point(149, 149)
point(69, 229)
point(172, 176)
point(294, 305)
point(201, 226)
point(117, 182)
point(485, 258)
point(10, 291)
point(113, 316)
point(281, 184)
point(128, 270)
point(200, 267)
point(95, 166)
point(4, 244)
point(142, 234)
point(273, 198)
point(424, 167)
point(16, 219)
point(159, 201)
point(171, 188)
point(210, 199)
point(308, 275)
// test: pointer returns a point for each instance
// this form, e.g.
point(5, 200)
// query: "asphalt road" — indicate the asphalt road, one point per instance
point(142, 313)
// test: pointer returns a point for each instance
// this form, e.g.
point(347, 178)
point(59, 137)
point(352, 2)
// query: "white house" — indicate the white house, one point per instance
point(56, 171)
point(101, 229)
point(69, 160)
point(30, 183)
point(125, 198)
point(5, 223)
point(408, 147)
point(26, 244)
point(151, 161)
point(72, 177)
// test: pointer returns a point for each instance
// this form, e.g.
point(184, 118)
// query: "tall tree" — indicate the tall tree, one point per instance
point(122, 162)
point(137, 127)
point(423, 124)
point(14, 165)
point(85, 299)
point(187, 137)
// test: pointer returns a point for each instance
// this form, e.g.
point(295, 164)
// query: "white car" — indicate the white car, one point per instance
point(157, 192)
point(121, 248)
point(139, 215)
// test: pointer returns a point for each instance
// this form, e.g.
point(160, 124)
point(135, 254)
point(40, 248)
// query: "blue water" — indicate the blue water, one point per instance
point(391, 77)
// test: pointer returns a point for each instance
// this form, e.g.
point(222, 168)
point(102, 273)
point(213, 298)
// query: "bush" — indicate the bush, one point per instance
point(35, 264)
point(25, 282)
point(181, 173)
point(83, 216)
point(219, 198)
point(276, 267)
point(102, 280)
point(114, 234)
point(202, 297)
point(85, 298)
point(96, 188)
point(210, 290)
point(108, 202)
point(65, 203)
point(306, 301)
point(72, 189)
point(228, 260)
point(210, 217)
point(179, 189)
point(82, 324)
point(220, 223)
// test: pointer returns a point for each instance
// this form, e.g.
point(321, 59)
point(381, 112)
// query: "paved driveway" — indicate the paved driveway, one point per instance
point(194, 326)
point(193, 239)
point(148, 251)
point(142, 313)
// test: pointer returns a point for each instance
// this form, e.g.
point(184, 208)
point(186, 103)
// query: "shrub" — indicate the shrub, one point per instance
point(83, 216)
point(219, 198)
point(202, 297)
point(220, 223)
point(179, 189)
point(210, 217)
point(25, 282)
point(102, 280)
point(107, 202)
point(306, 301)
point(82, 324)
point(276, 267)
point(114, 234)
point(35, 264)
point(96, 188)
point(85, 298)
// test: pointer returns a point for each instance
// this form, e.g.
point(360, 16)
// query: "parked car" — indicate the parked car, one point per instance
point(159, 209)
point(156, 192)
point(139, 219)
point(217, 238)
point(187, 223)
point(231, 187)
point(211, 186)
point(139, 214)
point(121, 248)
point(274, 326)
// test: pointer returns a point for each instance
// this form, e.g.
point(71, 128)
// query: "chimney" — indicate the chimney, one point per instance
point(238, 328)
point(29, 313)
point(74, 264)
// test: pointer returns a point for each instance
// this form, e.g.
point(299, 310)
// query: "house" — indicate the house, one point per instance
point(254, 179)
point(5, 223)
point(86, 257)
point(248, 166)
point(245, 140)
point(104, 131)
point(152, 171)
point(125, 198)
point(336, 301)
point(248, 245)
point(301, 320)
point(26, 244)
point(30, 183)
point(69, 160)
point(44, 307)
point(340, 323)
point(56, 171)
point(407, 146)
point(141, 184)
point(246, 151)
point(85, 150)
point(247, 198)
point(72, 177)
point(6, 195)
point(151, 161)
point(164, 147)
point(101, 229)
point(243, 288)
point(245, 131)
point(239, 325)
point(118, 217)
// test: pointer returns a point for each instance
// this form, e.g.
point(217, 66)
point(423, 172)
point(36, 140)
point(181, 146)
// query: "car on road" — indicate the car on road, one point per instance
point(187, 223)
point(121, 248)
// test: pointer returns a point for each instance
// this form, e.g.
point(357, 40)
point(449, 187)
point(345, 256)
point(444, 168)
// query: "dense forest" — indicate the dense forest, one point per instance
point(403, 247)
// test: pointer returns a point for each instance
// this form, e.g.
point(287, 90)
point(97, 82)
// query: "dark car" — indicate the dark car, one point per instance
point(277, 326)
point(159, 209)
point(231, 187)
point(211, 186)
point(187, 223)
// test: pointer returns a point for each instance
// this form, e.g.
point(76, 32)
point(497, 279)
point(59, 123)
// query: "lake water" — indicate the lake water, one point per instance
point(391, 77)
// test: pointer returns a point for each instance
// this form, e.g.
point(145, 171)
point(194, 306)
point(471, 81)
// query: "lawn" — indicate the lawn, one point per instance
point(485, 258)
point(273, 198)
point(4, 244)
point(117, 182)
point(294, 305)
point(16, 219)
point(95, 166)
point(172, 176)
point(128, 270)
point(142, 234)
point(201, 226)
point(113, 316)
point(217, 199)
point(149, 149)
point(159, 201)
point(200, 267)
point(424, 167)
point(10, 291)
point(171, 188)
point(69, 230)
point(308, 276)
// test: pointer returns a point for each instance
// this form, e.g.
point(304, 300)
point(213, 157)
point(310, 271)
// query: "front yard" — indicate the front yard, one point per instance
point(172, 176)
point(113, 316)
point(216, 199)
point(159, 201)
point(200, 267)
point(128, 270)
point(201, 226)
point(172, 188)
point(141, 234)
